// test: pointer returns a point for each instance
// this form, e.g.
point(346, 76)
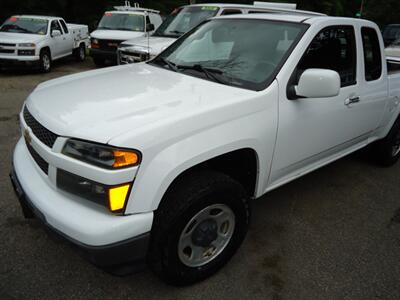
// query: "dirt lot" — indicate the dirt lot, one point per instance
point(334, 234)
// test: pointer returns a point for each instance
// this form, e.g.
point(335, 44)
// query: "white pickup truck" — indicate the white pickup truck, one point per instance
point(38, 40)
point(158, 161)
point(185, 18)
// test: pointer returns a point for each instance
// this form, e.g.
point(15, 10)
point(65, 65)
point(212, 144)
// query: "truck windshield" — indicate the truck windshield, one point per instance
point(126, 21)
point(25, 25)
point(238, 52)
point(178, 23)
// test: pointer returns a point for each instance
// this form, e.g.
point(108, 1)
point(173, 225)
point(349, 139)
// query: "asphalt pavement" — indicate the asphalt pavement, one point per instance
point(333, 234)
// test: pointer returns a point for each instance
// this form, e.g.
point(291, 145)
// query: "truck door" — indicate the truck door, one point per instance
point(68, 39)
point(56, 41)
point(313, 129)
point(374, 93)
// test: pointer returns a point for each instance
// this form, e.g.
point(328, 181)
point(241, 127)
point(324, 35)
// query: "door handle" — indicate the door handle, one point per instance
point(352, 100)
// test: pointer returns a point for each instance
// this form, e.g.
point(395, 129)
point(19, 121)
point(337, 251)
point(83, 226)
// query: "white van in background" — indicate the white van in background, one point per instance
point(185, 18)
point(121, 24)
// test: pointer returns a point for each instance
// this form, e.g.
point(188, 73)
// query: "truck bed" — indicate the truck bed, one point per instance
point(80, 33)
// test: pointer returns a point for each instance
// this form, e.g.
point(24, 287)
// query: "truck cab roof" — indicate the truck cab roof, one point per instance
point(298, 18)
point(264, 7)
point(49, 18)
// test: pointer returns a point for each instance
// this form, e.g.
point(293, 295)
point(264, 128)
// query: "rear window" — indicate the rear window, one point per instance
point(372, 54)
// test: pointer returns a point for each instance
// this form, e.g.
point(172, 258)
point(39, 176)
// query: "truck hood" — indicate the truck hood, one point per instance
point(156, 44)
point(106, 103)
point(119, 35)
point(16, 38)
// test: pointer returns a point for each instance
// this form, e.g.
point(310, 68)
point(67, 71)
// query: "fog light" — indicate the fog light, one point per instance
point(117, 197)
point(113, 197)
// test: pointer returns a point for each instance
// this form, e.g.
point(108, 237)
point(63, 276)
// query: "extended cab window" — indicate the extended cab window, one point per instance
point(334, 48)
point(372, 54)
point(64, 26)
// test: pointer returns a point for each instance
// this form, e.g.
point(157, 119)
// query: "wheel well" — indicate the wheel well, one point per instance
point(241, 165)
point(46, 49)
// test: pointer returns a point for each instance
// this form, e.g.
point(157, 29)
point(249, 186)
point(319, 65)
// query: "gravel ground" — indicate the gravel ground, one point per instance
point(334, 234)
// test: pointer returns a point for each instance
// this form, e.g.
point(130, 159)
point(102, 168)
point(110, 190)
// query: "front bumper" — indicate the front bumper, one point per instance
point(103, 238)
point(11, 62)
point(104, 54)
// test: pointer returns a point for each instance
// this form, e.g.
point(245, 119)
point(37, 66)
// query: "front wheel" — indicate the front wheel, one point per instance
point(45, 61)
point(198, 227)
point(387, 151)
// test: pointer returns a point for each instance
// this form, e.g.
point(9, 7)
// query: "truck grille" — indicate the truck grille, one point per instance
point(109, 44)
point(44, 135)
point(7, 45)
point(8, 51)
point(130, 57)
point(43, 165)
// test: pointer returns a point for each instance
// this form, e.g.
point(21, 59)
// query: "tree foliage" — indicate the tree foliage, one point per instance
point(89, 11)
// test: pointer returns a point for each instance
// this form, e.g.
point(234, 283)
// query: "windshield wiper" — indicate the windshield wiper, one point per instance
point(171, 65)
point(177, 32)
point(211, 73)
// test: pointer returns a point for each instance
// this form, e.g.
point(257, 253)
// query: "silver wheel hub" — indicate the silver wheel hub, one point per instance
point(46, 62)
point(206, 235)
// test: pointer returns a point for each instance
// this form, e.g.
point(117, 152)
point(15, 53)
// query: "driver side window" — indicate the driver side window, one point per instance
point(55, 26)
point(333, 48)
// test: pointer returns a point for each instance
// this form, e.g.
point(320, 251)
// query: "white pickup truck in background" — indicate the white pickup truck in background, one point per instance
point(38, 40)
point(158, 161)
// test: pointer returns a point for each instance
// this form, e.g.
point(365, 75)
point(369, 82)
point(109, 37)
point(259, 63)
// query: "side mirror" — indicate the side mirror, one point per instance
point(55, 33)
point(318, 83)
point(150, 27)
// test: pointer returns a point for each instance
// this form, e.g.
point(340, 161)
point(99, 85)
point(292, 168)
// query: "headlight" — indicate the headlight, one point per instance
point(27, 45)
point(101, 155)
point(95, 41)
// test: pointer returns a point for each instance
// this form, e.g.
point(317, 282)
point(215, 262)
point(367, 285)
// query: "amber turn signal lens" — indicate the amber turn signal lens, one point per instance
point(124, 159)
point(117, 197)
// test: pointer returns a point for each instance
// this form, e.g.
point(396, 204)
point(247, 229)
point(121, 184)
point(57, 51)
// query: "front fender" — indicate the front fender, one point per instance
point(256, 131)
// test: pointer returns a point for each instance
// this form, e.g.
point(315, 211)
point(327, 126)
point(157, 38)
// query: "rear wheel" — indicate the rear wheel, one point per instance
point(387, 151)
point(45, 61)
point(80, 53)
point(198, 227)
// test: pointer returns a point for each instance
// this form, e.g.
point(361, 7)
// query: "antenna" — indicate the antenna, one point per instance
point(148, 36)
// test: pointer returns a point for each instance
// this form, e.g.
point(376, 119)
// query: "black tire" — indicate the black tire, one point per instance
point(384, 150)
point(80, 53)
point(99, 62)
point(188, 196)
point(45, 62)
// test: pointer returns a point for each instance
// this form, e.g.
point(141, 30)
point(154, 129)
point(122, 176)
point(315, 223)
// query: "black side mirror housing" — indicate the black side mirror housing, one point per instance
point(150, 27)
